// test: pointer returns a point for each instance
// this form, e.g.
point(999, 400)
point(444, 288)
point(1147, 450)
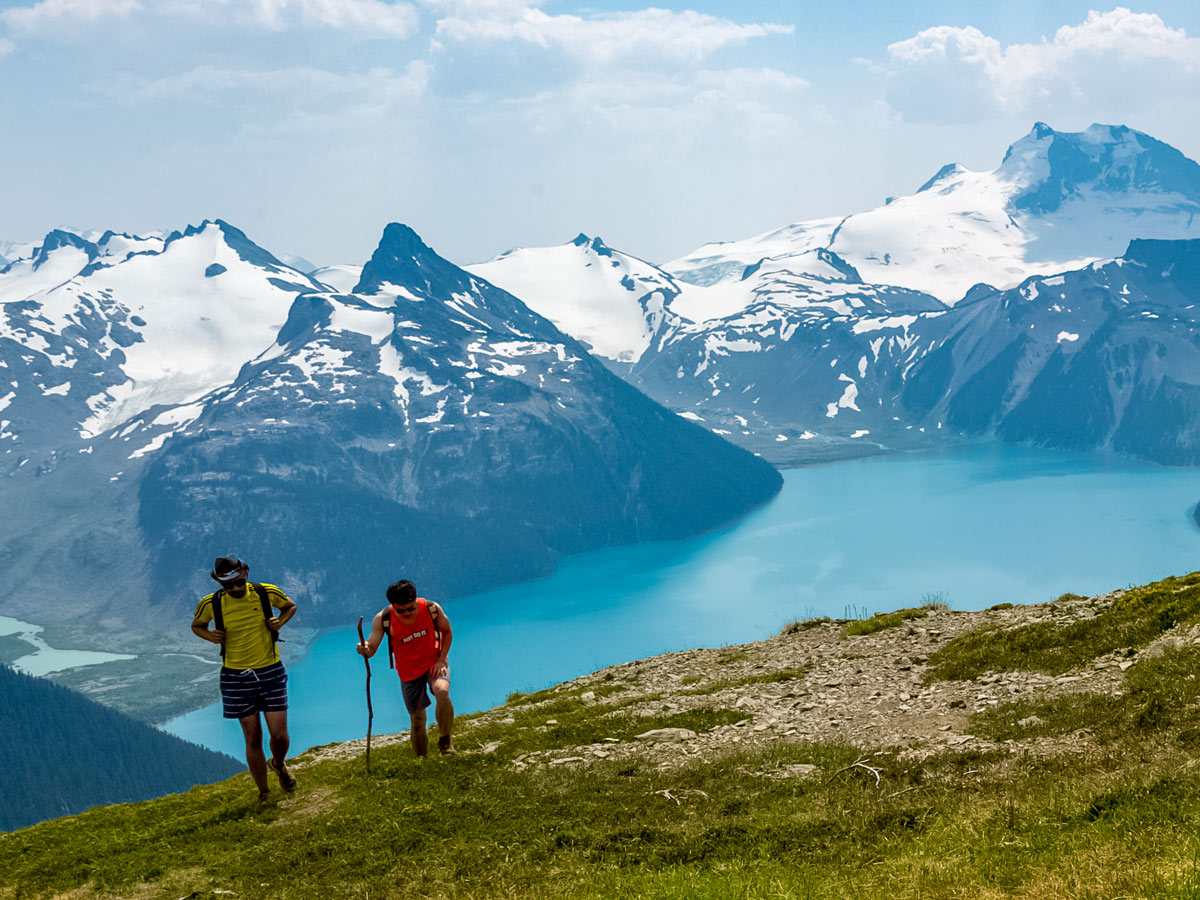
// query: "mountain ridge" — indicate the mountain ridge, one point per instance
point(996, 226)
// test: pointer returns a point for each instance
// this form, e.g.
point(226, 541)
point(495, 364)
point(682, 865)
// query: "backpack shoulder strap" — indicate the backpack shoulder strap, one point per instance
point(387, 629)
point(218, 615)
point(265, 602)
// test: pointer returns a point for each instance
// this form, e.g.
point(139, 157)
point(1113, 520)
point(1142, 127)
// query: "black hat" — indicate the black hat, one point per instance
point(227, 568)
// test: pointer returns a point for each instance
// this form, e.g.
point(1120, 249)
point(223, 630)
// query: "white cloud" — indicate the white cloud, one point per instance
point(392, 18)
point(314, 85)
point(372, 15)
point(49, 13)
point(1119, 58)
point(749, 81)
point(480, 7)
point(599, 38)
point(659, 115)
point(6, 47)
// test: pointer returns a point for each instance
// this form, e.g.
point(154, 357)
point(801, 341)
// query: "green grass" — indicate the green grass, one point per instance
point(1118, 818)
point(470, 826)
point(564, 694)
point(773, 677)
point(804, 625)
point(1133, 620)
point(1161, 693)
point(561, 727)
point(729, 655)
point(880, 621)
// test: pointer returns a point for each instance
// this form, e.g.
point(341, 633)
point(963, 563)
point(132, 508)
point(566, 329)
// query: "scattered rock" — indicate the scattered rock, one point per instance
point(672, 735)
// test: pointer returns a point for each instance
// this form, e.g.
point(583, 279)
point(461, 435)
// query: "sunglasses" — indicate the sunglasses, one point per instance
point(404, 610)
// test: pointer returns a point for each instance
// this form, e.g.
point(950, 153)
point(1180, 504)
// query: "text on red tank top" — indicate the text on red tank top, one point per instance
point(415, 645)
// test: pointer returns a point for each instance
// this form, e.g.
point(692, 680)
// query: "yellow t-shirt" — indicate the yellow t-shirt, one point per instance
point(248, 643)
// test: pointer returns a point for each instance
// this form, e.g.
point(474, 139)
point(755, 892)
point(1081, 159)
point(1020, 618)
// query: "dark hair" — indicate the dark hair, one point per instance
point(402, 592)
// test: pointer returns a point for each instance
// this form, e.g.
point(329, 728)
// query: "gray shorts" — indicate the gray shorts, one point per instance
point(415, 696)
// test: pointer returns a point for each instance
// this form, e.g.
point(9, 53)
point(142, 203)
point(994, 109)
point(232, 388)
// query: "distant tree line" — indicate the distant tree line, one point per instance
point(61, 753)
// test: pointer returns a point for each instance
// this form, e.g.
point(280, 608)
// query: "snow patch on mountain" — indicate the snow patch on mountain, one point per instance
point(608, 300)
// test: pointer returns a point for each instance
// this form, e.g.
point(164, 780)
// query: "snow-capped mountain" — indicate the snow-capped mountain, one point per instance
point(799, 343)
point(1102, 357)
point(797, 365)
point(1056, 202)
point(93, 333)
point(718, 354)
point(427, 423)
point(610, 301)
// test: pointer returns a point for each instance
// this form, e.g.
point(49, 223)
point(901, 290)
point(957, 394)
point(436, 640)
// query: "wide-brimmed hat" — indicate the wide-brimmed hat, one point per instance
point(227, 568)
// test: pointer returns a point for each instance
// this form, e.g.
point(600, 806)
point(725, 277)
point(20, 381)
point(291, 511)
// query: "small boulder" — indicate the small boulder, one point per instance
point(667, 735)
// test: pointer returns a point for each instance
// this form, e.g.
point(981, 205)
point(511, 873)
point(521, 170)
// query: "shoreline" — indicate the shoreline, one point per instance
point(48, 660)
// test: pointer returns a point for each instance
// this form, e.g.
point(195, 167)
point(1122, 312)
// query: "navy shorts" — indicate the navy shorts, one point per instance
point(415, 696)
point(250, 691)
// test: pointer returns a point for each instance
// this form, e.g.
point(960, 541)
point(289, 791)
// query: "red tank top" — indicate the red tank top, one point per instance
point(414, 647)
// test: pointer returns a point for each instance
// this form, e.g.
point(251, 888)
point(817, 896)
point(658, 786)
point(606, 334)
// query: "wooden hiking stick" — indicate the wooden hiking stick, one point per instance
point(370, 710)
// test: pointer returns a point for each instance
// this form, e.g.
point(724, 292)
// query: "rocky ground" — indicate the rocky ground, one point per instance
point(871, 690)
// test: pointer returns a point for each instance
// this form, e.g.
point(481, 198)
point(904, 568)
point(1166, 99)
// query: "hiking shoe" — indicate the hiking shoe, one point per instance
point(444, 744)
point(264, 799)
point(286, 780)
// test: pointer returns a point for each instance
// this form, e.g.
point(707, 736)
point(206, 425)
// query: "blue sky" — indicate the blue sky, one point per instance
point(486, 124)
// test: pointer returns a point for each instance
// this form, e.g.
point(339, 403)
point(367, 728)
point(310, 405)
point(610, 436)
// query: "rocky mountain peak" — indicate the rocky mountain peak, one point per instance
point(940, 175)
point(403, 259)
point(58, 239)
point(235, 239)
point(596, 245)
point(1051, 167)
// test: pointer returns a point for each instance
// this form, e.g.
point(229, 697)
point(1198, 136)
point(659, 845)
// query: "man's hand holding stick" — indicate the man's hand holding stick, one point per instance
point(362, 645)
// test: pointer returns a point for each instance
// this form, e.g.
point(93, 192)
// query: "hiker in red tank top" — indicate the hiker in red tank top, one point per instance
point(419, 639)
point(415, 644)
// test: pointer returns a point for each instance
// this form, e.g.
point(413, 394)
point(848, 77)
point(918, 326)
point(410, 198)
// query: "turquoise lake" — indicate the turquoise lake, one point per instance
point(973, 526)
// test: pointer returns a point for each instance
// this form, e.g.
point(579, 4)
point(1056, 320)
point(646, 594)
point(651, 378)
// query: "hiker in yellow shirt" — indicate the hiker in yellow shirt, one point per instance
point(253, 679)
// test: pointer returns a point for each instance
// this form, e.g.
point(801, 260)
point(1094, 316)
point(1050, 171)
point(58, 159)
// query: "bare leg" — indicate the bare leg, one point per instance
point(420, 740)
point(445, 709)
point(280, 739)
point(252, 731)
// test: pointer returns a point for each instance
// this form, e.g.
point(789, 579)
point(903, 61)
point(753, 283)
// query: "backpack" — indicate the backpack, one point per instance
point(219, 618)
point(387, 629)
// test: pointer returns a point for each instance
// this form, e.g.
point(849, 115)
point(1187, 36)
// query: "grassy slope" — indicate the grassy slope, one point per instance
point(1116, 814)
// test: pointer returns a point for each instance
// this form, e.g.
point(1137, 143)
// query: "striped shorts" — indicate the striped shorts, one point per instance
point(251, 691)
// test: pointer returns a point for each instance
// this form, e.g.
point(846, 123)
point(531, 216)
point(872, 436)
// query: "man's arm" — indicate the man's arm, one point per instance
point(368, 649)
point(287, 609)
point(445, 636)
point(201, 630)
